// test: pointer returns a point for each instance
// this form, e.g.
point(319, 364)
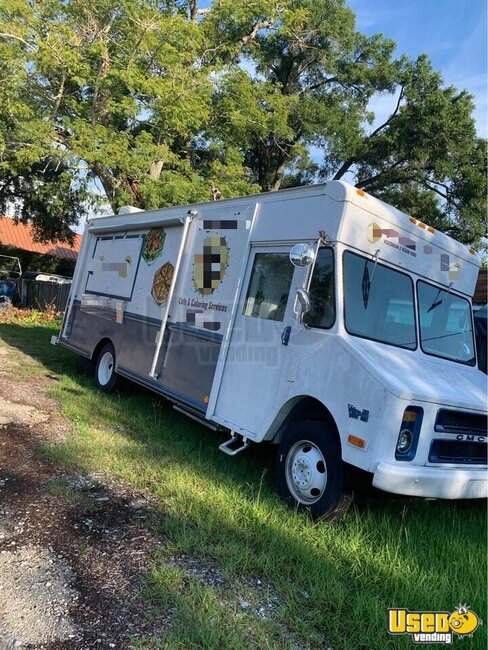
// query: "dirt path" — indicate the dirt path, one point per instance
point(73, 550)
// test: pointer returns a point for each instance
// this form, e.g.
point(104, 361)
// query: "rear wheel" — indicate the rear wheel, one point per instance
point(105, 375)
point(310, 473)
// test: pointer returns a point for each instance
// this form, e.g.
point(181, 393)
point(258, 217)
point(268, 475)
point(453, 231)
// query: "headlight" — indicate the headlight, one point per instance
point(405, 440)
point(408, 438)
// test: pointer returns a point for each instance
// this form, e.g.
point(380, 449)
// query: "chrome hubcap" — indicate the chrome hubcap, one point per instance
point(306, 472)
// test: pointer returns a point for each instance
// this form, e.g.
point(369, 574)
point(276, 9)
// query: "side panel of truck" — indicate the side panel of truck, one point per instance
point(122, 292)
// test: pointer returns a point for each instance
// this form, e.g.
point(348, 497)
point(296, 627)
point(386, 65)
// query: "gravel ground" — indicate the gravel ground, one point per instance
point(73, 552)
point(73, 549)
point(35, 596)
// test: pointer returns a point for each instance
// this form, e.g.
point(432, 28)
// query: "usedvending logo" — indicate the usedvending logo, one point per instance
point(433, 627)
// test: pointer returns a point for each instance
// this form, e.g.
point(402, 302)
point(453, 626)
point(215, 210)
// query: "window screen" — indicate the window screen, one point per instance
point(322, 303)
point(269, 286)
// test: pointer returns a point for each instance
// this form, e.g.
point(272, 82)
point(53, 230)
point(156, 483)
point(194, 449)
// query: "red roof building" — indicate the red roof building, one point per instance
point(481, 292)
point(20, 235)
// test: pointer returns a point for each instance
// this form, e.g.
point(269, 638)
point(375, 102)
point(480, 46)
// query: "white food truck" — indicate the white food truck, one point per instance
point(319, 319)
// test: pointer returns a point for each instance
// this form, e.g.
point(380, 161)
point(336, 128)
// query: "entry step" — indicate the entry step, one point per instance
point(234, 445)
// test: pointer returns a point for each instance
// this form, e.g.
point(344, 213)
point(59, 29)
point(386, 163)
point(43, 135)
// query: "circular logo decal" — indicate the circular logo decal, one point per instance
point(210, 266)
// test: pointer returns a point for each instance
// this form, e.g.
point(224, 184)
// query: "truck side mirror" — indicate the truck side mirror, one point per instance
point(302, 255)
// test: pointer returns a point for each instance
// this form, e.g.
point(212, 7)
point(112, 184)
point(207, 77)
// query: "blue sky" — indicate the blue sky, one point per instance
point(452, 32)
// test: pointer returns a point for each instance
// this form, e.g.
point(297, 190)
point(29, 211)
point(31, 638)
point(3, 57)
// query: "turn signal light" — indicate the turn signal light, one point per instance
point(356, 441)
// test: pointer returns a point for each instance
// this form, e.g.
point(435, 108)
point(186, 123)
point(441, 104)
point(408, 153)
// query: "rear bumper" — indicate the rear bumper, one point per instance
point(435, 482)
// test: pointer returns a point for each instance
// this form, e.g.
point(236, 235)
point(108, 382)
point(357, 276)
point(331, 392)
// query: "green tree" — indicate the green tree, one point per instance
point(313, 84)
point(162, 103)
point(426, 157)
point(109, 91)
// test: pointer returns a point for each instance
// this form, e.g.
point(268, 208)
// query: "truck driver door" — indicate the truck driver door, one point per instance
point(255, 360)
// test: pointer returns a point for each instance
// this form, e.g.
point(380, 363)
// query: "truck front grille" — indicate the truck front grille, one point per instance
point(460, 422)
point(458, 451)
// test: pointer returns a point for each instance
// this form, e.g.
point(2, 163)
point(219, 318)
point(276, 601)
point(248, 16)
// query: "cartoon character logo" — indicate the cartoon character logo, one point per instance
point(463, 621)
point(427, 627)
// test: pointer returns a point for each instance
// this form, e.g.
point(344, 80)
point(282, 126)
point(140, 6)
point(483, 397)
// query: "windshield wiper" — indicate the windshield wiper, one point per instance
point(436, 302)
point(366, 283)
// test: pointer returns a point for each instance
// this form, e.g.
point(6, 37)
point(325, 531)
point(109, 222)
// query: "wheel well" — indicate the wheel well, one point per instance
point(306, 408)
point(98, 348)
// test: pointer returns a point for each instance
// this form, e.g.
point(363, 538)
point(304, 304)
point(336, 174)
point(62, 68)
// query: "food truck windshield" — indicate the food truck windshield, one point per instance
point(380, 306)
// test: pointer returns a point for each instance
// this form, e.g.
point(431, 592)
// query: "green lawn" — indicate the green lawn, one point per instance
point(334, 582)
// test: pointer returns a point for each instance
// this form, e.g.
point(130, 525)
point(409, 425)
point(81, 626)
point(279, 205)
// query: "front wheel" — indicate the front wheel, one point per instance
point(309, 471)
point(105, 375)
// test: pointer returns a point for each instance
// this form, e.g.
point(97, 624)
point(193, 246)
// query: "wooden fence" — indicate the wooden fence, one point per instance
point(40, 295)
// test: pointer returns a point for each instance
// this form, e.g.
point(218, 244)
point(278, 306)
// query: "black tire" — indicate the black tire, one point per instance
point(310, 472)
point(105, 375)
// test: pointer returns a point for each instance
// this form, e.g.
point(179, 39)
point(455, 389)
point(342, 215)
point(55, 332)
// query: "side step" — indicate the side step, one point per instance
point(229, 447)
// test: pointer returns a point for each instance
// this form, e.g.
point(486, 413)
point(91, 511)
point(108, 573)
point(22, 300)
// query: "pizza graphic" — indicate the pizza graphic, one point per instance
point(162, 283)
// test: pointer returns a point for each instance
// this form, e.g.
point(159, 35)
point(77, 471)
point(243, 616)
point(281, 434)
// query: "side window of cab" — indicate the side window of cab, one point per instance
point(322, 293)
point(269, 286)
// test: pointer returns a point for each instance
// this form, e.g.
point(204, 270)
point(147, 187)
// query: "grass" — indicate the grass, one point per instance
point(334, 582)
point(62, 487)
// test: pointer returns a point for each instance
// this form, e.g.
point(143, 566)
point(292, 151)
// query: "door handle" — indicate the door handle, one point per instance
point(285, 335)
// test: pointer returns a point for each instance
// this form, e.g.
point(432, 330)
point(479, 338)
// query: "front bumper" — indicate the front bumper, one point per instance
point(435, 482)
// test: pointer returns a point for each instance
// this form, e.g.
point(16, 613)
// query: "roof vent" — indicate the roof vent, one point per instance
point(129, 209)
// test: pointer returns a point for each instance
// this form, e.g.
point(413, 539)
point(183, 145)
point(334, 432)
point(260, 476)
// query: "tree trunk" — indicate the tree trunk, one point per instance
point(278, 174)
point(155, 169)
point(278, 177)
point(59, 97)
point(110, 185)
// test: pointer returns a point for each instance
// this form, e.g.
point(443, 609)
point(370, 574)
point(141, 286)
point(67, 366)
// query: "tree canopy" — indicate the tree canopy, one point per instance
point(160, 103)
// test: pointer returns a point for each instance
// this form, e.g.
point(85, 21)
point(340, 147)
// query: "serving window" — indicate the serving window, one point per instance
point(114, 266)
